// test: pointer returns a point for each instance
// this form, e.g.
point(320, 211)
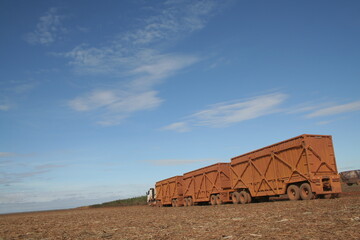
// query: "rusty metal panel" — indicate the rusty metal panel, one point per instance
point(200, 184)
point(169, 189)
point(268, 171)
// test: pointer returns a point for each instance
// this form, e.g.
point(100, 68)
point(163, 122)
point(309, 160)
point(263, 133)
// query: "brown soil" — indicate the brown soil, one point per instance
point(315, 219)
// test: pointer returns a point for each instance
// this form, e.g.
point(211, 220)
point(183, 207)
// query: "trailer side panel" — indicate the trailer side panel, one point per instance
point(269, 170)
point(170, 190)
point(201, 184)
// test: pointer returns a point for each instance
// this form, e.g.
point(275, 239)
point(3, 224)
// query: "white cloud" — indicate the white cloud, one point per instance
point(323, 122)
point(337, 109)
point(14, 91)
point(159, 67)
point(225, 114)
point(178, 127)
point(94, 100)
point(66, 196)
point(135, 60)
point(305, 107)
point(48, 29)
point(7, 154)
point(15, 172)
point(136, 51)
point(136, 95)
point(136, 102)
point(4, 107)
point(116, 105)
point(175, 20)
point(49, 166)
point(97, 60)
point(10, 154)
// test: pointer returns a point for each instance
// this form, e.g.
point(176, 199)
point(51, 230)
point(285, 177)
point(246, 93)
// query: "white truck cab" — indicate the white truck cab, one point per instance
point(151, 197)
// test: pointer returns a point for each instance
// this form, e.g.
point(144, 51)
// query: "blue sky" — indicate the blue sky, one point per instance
point(100, 99)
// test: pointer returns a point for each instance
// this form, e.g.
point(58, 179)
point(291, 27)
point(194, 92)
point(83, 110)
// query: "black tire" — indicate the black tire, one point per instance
point(190, 201)
point(349, 184)
point(213, 200)
point(235, 198)
point(293, 192)
point(243, 197)
point(218, 200)
point(306, 192)
point(248, 196)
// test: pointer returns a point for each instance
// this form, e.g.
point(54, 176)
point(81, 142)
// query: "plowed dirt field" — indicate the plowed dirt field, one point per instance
point(315, 219)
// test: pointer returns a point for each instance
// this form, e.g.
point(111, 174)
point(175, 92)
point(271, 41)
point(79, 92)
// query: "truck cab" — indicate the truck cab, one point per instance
point(151, 195)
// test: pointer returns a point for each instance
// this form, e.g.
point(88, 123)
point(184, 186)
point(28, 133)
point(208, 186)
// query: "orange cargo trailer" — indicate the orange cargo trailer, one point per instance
point(169, 192)
point(301, 167)
point(208, 184)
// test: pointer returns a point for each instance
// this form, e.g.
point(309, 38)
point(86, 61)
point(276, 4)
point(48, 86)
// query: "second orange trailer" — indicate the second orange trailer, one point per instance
point(208, 184)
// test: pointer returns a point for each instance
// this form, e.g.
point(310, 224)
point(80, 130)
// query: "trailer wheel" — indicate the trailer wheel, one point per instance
point(306, 192)
point(235, 198)
point(248, 197)
point(190, 201)
point(293, 192)
point(218, 200)
point(213, 200)
point(243, 197)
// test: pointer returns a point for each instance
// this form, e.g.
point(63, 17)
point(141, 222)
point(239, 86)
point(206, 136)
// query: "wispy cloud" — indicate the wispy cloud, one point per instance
point(11, 154)
point(6, 154)
point(137, 49)
point(176, 162)
point(49, 166)
point(335, 109)
point(225, 114)
point(323, 122)
point(177, 19)
point(116, 105)
point(9, 178)
point(66, 196)
point(14, 172)
point(135, 58)
point(4, 106)
point(178, 127)
point(48, 29)
point(138, 93)
point(12, 92)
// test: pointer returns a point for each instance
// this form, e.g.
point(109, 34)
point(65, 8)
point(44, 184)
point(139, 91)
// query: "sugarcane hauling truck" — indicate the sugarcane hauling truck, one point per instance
point(303, 167)
point(350, 177)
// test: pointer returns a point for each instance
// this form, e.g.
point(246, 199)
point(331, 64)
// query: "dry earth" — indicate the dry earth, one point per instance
point(315, 219)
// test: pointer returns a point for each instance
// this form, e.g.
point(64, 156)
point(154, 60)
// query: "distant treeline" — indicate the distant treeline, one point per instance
point(123, 202)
